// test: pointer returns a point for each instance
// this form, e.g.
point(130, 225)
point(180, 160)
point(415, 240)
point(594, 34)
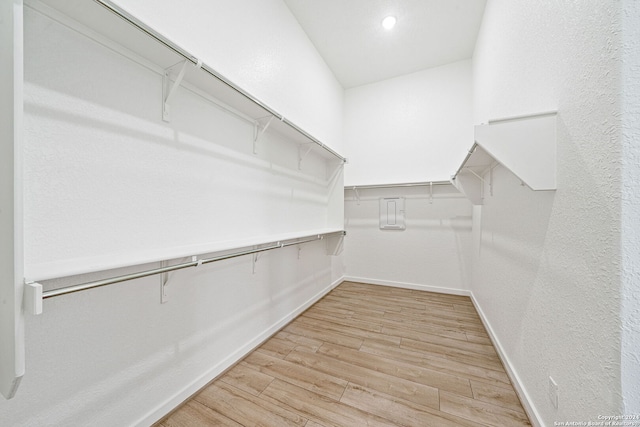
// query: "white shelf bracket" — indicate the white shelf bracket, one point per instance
point(258, 131)
point(164, 278)
point(491, 178)
point(355, 190)
point(334, 171)
point(169, 87)
point(254, 260)
point(32, 301)
point(302, 154)
point(430, 193)
point(334, 245)
point(299, 250)
point(475, 174)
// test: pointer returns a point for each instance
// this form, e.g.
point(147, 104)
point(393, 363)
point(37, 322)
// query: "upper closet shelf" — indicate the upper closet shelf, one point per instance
point(103, 19)
point(526, 145)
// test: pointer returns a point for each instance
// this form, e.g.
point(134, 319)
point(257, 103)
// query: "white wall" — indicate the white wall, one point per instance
point(433, 253)
point(260, 46)
point(105, 178)
point(416, 127)
point(547, 274)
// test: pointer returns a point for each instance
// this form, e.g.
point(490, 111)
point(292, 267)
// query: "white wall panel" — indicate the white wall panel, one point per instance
point(106, 178)
point(412, 128)
point(547, 275)
point(432, 253)
point(109, 180)
point(259, 45)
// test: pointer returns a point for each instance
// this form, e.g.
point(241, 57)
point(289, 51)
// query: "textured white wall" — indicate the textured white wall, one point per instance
point(547, 274)
point(259, 45)
point(411, 128)
point(432, 253)
point(631, 206)
point(104, 174)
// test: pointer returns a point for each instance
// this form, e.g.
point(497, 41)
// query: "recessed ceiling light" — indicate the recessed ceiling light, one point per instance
point(389, 22)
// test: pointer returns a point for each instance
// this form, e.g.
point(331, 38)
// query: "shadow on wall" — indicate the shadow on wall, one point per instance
point(203, 319)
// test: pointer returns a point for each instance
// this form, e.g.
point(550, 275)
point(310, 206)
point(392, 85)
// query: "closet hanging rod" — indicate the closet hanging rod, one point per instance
point(194, 263)
point(408, 184)
point(132, 20)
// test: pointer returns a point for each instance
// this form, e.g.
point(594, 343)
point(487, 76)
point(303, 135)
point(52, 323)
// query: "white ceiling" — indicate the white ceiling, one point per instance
point(349, 36)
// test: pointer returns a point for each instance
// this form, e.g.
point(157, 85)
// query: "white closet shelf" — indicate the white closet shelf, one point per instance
point(396, 185)
point(525, 145)
point(34, 292)
point(73, 267)
point(103, 19)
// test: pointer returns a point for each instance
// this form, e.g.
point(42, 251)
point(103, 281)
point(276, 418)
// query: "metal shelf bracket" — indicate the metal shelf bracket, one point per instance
point(169, 87)
point(302, 154)
point(355, 190)
point(259, 130)
point(431, 192)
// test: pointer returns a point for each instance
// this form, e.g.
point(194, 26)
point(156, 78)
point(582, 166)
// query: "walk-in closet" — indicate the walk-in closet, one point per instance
point(286, 212)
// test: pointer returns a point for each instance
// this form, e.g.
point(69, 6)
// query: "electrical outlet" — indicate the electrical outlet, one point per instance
point(553, 392)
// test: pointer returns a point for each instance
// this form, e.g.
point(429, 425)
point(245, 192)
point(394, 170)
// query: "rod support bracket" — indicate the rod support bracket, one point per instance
point(258, 131)
point(302, 154)
point(355, 190)
point(32, 298)
point(431, 192)
point(254, 260)
point(169, 89)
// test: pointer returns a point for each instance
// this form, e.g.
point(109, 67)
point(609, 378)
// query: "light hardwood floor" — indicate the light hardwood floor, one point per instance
point(366, 355)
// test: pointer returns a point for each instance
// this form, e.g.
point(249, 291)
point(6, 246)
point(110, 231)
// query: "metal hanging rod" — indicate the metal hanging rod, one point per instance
point(407, 184)
point(194, 263)
point(121, 13)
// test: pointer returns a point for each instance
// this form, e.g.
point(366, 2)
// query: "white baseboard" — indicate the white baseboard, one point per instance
point(417, 286)
point(188, 391)
point(525, 399)
point(174, 401)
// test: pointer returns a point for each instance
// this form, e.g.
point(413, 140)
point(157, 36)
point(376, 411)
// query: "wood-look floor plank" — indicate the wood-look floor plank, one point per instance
point(437, 321)
point(245, 408)
point(366, 355)
point(399, 411)
point(277, 348)
point(283, 342)
point(318, 333)
point(399, 369)
point(478, 339)
point(249, 380)
point(349, 323)
point(499, 396)
point(344, 309)
point(482, 412)
point(320, 409)
point(346, 330)
point(384, 303)
point(309, 379)
point(491, 376)
point(394, 386)
point(195, 414)
point(452, 343)
point(418, 328)
point(476, 359)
